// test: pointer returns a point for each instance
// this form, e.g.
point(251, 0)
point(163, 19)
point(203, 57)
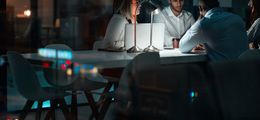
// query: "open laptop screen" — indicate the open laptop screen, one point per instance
point(143, 35)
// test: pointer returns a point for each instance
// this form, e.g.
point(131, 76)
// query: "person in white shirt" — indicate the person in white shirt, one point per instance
point(177, 21)
point(253, 32)
point(123, 14)
point(223, 34)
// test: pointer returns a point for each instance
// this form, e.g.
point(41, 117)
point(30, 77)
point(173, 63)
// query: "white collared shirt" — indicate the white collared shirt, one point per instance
point(114, 37)
point(222, 33)
point(175, 26)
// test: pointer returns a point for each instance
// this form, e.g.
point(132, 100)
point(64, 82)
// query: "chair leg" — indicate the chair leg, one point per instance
point(48, 115)
point(92, 104)
point(74, 106)
point(26, 109)
point(102, 98)
point(106, 90)
point(65, 109)
point(104, 107)
point(53, 107)
point(39, 110)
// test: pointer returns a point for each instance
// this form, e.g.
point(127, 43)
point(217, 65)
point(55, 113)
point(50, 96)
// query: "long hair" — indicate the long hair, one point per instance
point(122, 7)
point(256, 13)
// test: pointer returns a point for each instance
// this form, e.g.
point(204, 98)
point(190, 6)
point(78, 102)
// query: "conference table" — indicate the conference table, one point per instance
point(111, 60)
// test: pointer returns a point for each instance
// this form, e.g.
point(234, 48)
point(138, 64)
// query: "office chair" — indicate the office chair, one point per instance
point(235, 86)
point(158, 91)
point(58, 79)
point(29, 87)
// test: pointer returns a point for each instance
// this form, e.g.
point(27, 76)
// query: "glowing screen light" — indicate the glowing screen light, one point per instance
point(53, 53)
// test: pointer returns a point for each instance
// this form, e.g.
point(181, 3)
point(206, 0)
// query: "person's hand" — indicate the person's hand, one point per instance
point(198, 47)
point(201, 11)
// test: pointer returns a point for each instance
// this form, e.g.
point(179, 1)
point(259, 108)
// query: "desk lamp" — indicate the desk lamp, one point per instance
point(151, 48)
point(135, 48)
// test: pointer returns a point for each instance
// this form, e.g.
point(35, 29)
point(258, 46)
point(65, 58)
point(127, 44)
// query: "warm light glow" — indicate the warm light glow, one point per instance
point(69, 71)
point(27, 13)
point(94, 70)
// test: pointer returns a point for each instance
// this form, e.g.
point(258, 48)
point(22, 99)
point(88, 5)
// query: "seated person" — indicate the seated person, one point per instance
point(114, 37)
point(254, 31)
point(223, 34)
point(177, 21)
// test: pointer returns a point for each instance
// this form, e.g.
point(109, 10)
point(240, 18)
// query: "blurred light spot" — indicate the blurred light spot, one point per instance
point(69, 71)
point(193, 94)
point(27, 13)
point(68, 62)
point(46, 104)
point(76, 64)
point(8, 118)
point(52, 53)
point(63, 67)
point(87, 66)
point(76, 69)
point(94, 70)
point(46, 64)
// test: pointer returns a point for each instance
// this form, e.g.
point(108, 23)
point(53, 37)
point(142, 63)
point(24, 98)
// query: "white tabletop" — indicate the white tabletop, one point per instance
point(103, 59)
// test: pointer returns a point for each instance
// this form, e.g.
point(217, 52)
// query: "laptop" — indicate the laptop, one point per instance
point(143, 35)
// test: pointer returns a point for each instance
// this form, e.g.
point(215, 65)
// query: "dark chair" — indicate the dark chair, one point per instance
point(58, 78)
point(29, 87)
point(235, 85)
point(158, 92)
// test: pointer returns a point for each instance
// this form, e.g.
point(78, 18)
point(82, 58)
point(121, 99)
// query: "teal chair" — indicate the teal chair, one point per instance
point(29, 87)
point(57, 78)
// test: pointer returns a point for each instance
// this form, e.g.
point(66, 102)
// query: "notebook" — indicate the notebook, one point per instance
point(143, 35)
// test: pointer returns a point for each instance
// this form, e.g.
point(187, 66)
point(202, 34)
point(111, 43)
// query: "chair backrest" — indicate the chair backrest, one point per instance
point(250, 54)
point(236, 88)
point(24, 76)
point(58, 47)
point(163, 91)
point(54, 76)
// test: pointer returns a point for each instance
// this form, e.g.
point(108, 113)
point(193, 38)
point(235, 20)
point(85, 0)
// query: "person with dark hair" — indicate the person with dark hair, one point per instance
point(177, 21)
point(123, 13)
point(254, 31)
point(223, 34)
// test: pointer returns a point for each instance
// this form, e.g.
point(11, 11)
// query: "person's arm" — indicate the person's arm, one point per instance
point(115, 33)
point(253, 31)
point(253, 34)
point(192, 37)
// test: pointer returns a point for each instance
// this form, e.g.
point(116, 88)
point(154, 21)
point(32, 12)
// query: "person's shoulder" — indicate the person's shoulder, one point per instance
point(118, 18)
point(187, 13)
point(167, 10)
point(257, 20)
